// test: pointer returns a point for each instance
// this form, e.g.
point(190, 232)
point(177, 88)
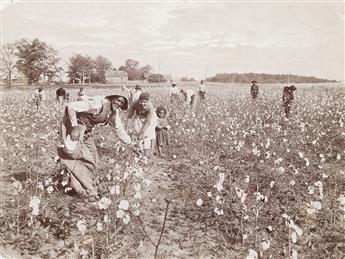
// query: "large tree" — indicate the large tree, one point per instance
point(101, 64)
point(134, 71)
point(8, 61)
point(37, 60)
point(80, 67)
point(145, 72)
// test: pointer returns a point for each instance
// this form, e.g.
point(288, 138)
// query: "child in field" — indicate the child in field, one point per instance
point(38, 96)
point(162, 135)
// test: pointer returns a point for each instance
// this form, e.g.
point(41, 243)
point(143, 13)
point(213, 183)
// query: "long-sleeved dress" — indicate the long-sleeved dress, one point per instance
point(81, 157)
point(142, 122)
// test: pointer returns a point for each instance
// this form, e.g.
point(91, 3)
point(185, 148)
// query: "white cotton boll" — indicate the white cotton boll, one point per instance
point(311, 190)
point(281, 170)
point(246, 179)
point(120, 214)
point(292, 182)
point(137, 195)
point(209, 194)
point(311, 211)
point(106, 218)
point(300, 154)
point(124, 205)
point(294, 254)
point(341, 199)
point(265, 244)
point(271, 184)
point(115, 189)
point(40, 185)
point(219, 199)
point(219, 187)
point(104, 203)
point(126, 219)
point(81, 225)
point(252, 254)
point(293, 237)
point(50, 189)
point(34, 204)
point(307, 163)
point(316, 205)
point(219, 211)
point(285, 216)
point(199, 202)
point(297, 229)
point(99, 227)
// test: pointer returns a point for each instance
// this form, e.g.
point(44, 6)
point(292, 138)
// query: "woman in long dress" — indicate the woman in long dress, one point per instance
point(76, 146)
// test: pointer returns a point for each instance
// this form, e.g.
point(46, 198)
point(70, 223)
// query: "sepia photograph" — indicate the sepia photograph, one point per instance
point(172, 129)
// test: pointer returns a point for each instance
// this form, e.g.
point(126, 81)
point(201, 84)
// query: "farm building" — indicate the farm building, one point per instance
point(115, 76)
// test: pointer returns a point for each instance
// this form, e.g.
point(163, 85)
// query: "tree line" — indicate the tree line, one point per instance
point(39, 62)
point(265, 78)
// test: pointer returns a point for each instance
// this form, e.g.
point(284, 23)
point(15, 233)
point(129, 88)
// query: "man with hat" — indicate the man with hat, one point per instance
point(254, 90)
point(142, 122)
point(133, 93)
point(287, 99)
point(76, 146)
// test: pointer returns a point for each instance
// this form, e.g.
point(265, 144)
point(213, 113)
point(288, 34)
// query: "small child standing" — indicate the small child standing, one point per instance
point(162, 135)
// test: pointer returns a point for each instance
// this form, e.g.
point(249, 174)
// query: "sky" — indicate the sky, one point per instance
point(189, 38)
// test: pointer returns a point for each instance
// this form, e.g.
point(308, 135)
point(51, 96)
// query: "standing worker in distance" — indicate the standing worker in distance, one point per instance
point(202, 90)
point(254, 90)
point(38, 96)
point(287, 99)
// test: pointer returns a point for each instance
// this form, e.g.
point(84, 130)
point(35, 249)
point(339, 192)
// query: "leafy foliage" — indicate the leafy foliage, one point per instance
point(265, 78)
point(37, 61)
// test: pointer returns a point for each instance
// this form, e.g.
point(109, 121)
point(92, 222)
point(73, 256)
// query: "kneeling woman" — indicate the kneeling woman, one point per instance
point(76, 145)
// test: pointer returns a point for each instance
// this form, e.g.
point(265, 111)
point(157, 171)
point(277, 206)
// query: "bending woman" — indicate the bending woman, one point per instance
point(76, 145)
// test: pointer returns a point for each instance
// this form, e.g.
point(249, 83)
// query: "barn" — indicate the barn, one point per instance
point(116, 77)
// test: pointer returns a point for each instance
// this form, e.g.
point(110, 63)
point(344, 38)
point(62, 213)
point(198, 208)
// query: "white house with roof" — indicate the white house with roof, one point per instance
point(116, 77)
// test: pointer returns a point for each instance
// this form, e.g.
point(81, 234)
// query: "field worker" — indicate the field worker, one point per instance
point(81, 95)
point(162, 135)
point(174, 93)
point(287, 99)
point(125, 92)
point(202, 90)
point(61, 95)
point(133, 93)
point(190, 96)
point(142, 121)
point(38, 96)
point(254, 90)
point(76, 146)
